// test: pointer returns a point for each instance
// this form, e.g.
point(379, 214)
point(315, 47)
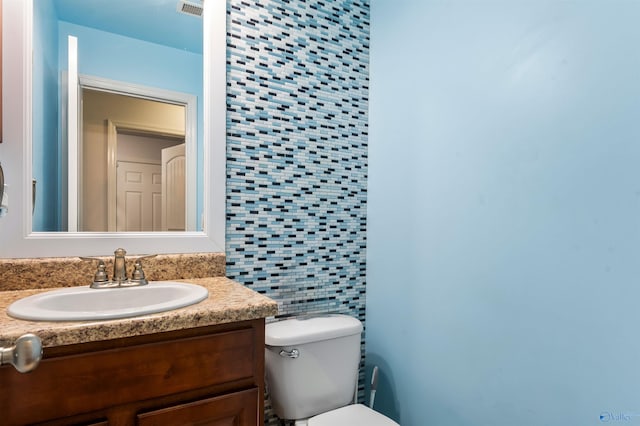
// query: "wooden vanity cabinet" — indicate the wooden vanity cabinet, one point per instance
point(200, 376)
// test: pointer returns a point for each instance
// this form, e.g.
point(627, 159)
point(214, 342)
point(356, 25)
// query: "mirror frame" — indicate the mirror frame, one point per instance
point(16, 237)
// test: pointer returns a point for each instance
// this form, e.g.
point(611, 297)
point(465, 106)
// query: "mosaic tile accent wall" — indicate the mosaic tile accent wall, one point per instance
point(297, 114)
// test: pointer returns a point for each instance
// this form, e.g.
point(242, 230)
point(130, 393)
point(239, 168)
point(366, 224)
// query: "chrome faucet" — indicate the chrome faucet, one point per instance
point(119, 277)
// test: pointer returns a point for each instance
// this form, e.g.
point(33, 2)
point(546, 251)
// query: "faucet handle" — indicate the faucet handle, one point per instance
point(100, 278)
point(101, 273)
point(137, 276)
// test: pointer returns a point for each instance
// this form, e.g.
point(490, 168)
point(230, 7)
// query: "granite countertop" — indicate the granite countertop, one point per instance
point(228, 301)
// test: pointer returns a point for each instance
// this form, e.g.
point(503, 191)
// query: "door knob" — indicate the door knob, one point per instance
point(25, 355)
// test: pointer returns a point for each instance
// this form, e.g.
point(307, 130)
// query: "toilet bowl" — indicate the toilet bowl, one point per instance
point(312, 371)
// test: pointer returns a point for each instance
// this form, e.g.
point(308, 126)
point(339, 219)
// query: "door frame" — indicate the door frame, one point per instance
point(190, 104)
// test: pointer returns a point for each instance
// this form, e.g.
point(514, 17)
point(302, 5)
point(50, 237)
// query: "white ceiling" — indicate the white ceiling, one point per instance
point(156, 21)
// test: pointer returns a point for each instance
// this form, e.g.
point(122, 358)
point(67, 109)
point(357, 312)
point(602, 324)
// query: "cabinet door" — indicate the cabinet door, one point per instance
point(76, 384)
point(235, 409)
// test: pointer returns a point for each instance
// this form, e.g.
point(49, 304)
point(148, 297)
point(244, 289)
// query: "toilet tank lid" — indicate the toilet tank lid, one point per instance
point(300, 330)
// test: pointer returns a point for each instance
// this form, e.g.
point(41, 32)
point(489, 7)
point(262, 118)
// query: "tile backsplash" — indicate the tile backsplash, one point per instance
point(297, 126)
point(297, 136)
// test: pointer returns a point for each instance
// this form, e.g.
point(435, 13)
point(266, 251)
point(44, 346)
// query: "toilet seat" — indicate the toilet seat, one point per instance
point(351, 415)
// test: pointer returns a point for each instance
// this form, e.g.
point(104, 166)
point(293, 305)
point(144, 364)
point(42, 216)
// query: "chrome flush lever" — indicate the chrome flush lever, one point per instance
point(293, 353)
point(25, 355)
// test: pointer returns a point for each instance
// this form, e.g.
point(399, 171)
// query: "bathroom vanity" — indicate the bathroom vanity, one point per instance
point(203, 364)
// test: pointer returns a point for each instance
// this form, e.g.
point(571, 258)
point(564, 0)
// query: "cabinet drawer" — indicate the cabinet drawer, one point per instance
point(74, 384)
point(236, 409)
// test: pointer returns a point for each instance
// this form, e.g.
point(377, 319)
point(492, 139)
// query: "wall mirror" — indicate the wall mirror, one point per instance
point(119, 118)
point(103, 69)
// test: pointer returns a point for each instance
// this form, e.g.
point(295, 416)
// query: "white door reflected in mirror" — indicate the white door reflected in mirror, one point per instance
point(172, 198)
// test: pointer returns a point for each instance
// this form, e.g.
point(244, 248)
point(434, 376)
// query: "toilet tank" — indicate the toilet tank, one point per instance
point(312, 364)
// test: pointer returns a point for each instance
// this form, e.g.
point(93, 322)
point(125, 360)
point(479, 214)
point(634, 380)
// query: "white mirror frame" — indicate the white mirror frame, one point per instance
point(16, 237)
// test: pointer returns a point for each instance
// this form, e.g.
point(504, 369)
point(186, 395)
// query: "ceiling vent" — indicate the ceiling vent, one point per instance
point(190, 8)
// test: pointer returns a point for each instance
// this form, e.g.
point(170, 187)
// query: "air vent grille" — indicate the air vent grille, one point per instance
point(190, 8)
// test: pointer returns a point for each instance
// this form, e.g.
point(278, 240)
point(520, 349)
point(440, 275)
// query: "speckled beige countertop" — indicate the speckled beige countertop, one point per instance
point(228, 301)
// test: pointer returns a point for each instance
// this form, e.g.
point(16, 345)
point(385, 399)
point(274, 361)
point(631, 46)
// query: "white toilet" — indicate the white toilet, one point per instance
point(312, 371)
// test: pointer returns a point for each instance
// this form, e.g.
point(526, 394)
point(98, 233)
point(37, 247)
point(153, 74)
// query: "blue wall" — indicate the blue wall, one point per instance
point(504, 212)
point(45, 118)
point(135, 61)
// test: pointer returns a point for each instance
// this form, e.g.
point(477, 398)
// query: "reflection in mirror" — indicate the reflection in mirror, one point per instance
point(142, 164)
point(139, 80)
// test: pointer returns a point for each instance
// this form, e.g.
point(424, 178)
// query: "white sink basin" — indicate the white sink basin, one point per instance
point(84, 303)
